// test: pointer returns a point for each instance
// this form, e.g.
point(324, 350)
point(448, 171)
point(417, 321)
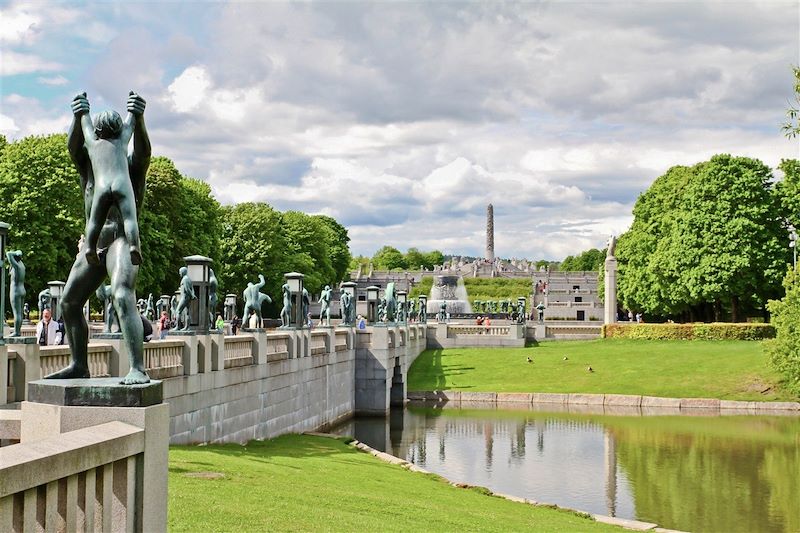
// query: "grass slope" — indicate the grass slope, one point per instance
point(497, 288)
point(733, 370)
point(304, 483)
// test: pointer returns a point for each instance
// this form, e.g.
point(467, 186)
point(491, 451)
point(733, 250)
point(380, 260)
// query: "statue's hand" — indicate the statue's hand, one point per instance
point(80, 104)
point(136, 104)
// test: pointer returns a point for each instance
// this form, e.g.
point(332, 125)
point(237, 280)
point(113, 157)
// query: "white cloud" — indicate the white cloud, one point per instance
point(7, 125)
point(21, 63)
point(54, 80)
point(188, 90)
point(19, 25)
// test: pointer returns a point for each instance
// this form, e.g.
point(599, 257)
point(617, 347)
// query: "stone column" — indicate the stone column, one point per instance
point(490, 233)
point(610, 315)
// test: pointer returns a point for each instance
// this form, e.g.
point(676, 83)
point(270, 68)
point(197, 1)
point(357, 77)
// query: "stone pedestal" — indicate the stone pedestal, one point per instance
point(4, 375)
point(610, 299)
point(27, 366)
point(516, 331)
point(64, 405)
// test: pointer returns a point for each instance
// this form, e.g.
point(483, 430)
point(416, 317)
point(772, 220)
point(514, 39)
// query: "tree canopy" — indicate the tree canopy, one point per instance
point(589, 260)
point(705, 240)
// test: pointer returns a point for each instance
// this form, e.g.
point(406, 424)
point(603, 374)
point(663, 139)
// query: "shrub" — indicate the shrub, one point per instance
point(701, 331)
point(784, 351)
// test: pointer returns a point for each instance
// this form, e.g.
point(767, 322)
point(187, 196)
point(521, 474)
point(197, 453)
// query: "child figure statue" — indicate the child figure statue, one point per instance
point(106, 141)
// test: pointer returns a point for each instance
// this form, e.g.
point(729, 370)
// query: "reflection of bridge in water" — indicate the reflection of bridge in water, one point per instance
point(420, 432)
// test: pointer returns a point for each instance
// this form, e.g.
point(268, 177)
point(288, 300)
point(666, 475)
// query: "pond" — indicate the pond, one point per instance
point(703, 472)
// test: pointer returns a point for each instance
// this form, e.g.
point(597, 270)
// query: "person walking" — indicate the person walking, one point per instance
point(163, 325)
point(47, 330)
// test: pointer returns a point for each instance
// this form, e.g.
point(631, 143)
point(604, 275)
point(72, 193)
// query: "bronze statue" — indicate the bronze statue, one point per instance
point(106, 140)
point(254, 299)
point(44, 301)
point(325, 305)
point(346, 308)
point(112, 230)
point(186, 295)
point(17, 288)
point(103, 294)
point(286, 310)
point(213, 287)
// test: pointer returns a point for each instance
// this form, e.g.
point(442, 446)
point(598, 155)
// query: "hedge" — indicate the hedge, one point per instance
point(699, 330)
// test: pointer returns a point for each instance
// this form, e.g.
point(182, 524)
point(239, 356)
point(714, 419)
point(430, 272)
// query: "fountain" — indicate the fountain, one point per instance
point(451, 290)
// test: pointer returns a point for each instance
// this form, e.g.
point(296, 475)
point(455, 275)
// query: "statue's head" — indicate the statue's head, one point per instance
point(327, 287)
point(183, 271)
point(107, 124)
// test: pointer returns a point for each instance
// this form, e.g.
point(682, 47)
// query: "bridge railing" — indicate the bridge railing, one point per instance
point(163, 358)
point(478, 330)
point(83, 480)
point(318, 342)
point(238, 350)
point(54, 358)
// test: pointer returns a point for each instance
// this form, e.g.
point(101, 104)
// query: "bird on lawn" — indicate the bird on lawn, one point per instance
point(530, 360)
point(565, 358)
point(590, 369)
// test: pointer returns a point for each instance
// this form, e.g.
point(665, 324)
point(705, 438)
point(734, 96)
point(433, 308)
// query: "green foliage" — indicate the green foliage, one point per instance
point(588, 261)
point(704, 237)
point(180, 217)
point(253, 244)
point(791, 128)
point(788, 190)
point(305, 483)
point(697, 330)
point(784, 351)
point(308, 239)
point(40, 198)
point(336, 240)
point(731, 370)
point(497, 288)
point(389, 258)
point(423, 288)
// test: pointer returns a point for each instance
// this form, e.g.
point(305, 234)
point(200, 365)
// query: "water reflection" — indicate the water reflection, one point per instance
point(695, 473)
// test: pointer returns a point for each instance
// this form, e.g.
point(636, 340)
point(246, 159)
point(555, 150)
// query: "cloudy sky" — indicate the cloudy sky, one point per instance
point(403, 120)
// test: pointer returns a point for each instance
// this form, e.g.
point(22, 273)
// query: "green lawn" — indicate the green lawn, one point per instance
point(732, 370)
point(305, 483)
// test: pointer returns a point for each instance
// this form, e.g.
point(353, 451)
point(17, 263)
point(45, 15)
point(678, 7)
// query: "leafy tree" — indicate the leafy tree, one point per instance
point(200, 229)
point(791, 128)
point(433, 258)
point(40, 198)
point(784, 350)
point(704, 239)
point(336, 239)
point(253, 244)
point(588, 260)
point(308, 249)
point(389, 258)
point(158, 222)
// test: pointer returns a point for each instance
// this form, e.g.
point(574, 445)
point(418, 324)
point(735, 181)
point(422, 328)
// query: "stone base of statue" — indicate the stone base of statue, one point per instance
point(94, 392)
point(253, 330)
point(108, 336)
point(181, 333)
point(20, 340)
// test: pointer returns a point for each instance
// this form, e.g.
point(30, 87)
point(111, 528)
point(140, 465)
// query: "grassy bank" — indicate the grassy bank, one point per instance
point(304, 483)
point(732, 370)
point(497, 288)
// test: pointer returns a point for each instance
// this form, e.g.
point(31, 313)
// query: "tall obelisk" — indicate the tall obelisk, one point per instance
point(490, 233)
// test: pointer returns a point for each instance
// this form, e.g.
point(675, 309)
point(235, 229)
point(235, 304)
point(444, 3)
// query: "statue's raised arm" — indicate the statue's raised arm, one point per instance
point(139, 160)
point(75, 138)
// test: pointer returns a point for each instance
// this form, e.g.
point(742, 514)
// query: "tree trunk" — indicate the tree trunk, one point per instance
point(717, 310)
point(734, 308)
